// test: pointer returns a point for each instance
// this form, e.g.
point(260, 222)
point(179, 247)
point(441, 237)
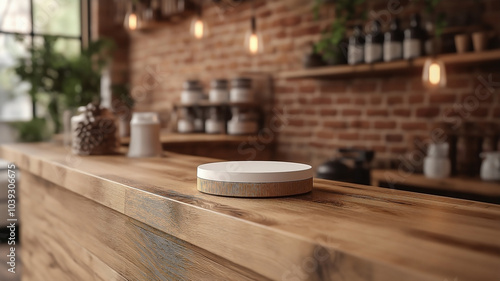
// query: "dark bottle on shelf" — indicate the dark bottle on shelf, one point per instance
point(414, 39)
point(393, 41)
point(355, 51)
point(373, 43)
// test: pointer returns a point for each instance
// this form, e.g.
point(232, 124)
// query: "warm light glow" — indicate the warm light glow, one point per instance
point(132, 21)
point(253, 43)
point(198, 29)
point(434, 74)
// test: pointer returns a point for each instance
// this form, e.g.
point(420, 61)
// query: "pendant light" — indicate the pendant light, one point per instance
point(199, 28)
point(253, 38)
point(132, 21)
point(434, 72)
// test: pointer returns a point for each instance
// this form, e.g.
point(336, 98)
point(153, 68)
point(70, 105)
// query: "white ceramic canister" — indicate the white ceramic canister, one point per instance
point(490, 168)
point(145, 135)
point(219, 91)
point(241, 90)
point(437, 165)
point(192, 92)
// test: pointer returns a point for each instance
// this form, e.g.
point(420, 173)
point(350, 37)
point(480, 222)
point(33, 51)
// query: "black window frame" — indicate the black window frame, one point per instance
point(85, 19)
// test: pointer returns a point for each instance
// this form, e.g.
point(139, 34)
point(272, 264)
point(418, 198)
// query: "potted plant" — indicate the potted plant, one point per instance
point(61, 82)
point(332, 45)
point(41, 70)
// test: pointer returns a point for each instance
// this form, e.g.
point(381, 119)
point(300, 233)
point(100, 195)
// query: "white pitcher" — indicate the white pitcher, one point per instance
point(490, 168)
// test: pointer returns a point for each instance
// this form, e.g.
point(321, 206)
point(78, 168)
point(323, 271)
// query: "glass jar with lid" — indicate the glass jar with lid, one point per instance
point(219, 91)
point(241, 90)
point(215, 122)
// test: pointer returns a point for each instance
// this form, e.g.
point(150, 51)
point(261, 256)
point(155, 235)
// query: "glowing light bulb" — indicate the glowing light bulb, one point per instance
point(132, 21)
point(253, 43)
point(253, 39)
point(198, 29)
point(434, 73)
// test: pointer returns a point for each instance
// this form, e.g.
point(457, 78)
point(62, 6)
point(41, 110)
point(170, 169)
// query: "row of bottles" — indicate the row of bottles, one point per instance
point(389, 46)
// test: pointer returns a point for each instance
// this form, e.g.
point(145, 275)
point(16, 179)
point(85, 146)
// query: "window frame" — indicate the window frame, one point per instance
point(85, 28)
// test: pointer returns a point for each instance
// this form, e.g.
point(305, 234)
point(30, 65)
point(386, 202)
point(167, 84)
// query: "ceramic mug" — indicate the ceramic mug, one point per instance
point(462, 43)
point(479, 41)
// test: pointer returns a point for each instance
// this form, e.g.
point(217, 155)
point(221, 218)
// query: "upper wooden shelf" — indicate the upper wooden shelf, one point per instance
point(400, 65)
point(207, 103)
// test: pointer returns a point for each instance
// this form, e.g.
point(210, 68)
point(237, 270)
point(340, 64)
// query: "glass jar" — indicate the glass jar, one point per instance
point(219, 91)
point(215, 122)
point(241, 90)
point(192, 92)
point(185, 121)
point(244, 121)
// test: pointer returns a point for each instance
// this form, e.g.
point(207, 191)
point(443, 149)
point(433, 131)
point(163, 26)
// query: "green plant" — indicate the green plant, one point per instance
point(65, 82)
point(82, 75)
point(43, 70)
point(329, 46)
point(34, 130)
point(123, 101)
point(439, 19)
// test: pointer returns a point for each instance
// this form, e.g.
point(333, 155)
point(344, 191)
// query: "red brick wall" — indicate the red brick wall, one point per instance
point(385, 113)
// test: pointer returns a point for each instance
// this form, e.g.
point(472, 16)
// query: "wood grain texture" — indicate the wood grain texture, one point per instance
point(458, 184)
point(243, 189)
point(336, 232)
point(68, 237)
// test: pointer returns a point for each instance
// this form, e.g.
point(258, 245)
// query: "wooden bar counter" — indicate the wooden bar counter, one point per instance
point(115, 218)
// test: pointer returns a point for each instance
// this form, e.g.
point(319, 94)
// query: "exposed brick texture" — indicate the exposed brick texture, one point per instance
point(380, 112)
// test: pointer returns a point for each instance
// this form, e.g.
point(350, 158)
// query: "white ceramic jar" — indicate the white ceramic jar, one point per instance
point(241, 90)
point(490, 168)
point(437, 165)
point(215, 123)
point(242, 123)
point(185, 123)
point(145, 135)
point(192, 92)
point(219, 92)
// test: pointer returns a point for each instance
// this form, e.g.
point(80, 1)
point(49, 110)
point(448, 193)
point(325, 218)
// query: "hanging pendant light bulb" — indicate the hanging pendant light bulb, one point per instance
point(199, 28)
point(253, 39)
point(132, 21)
point(434, 73)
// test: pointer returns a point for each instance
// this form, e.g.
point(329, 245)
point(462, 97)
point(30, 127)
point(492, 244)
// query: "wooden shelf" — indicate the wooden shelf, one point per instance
point(395, 66)
point(206, 103)
point(180, 138)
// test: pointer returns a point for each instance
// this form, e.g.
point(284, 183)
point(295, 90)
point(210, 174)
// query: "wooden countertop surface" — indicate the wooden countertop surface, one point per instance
point(337, 232)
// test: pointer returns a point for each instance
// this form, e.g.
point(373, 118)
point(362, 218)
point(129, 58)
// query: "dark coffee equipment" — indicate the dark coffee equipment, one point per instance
point(351, 165)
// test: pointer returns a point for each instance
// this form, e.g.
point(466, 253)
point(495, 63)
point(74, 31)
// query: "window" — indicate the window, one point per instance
point(33, 19)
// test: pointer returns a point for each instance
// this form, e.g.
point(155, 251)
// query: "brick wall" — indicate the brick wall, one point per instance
point(385, 113)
